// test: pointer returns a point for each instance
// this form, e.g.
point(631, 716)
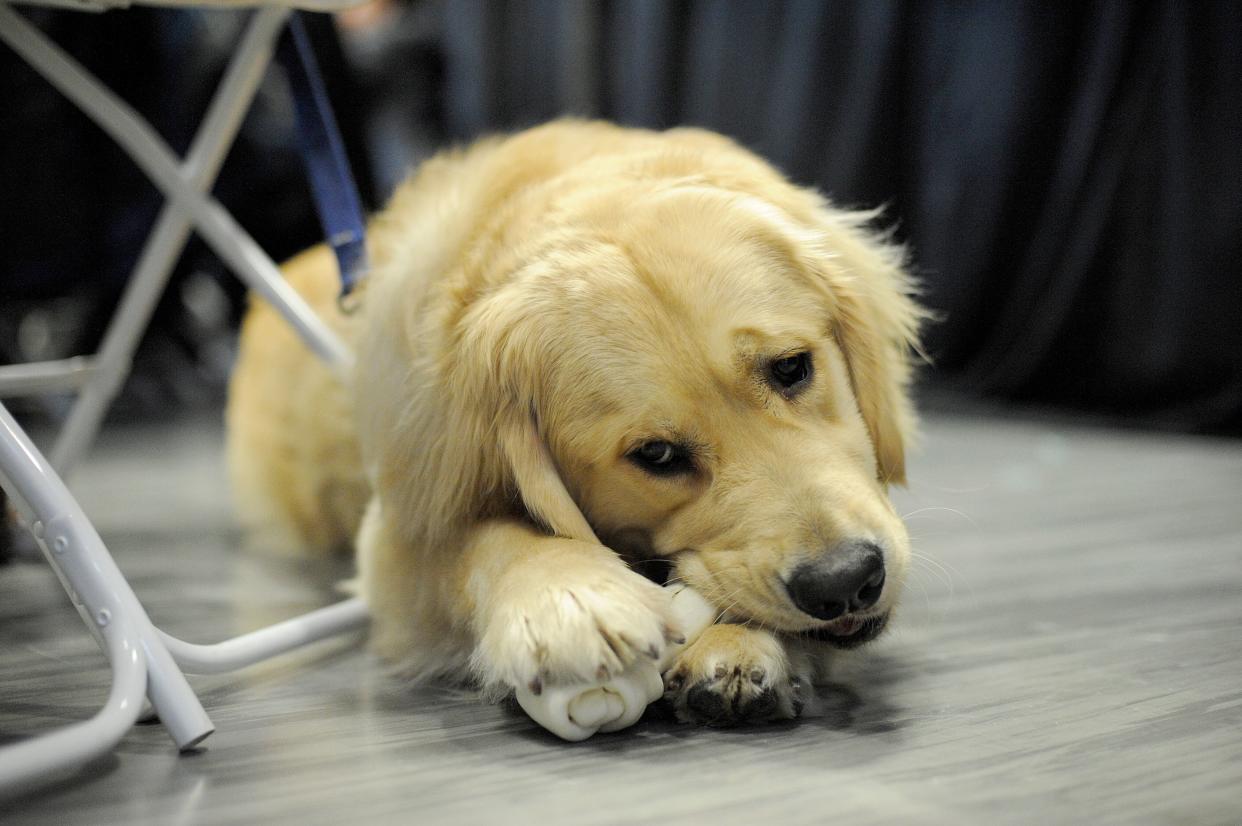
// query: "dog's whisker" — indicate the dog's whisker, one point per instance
point(930, 563)
point(928, 558)
point(726, 611)
point(949, 575)
point(945, 567)
point(938, 508)
point(719, 596)
point(941, 575)
point(926, 595)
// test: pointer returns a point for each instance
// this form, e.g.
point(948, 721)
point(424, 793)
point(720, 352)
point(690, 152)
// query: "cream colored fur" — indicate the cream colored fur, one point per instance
point(539, 306)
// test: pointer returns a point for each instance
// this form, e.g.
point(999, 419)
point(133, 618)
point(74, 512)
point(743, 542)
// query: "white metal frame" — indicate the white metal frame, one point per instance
point(145, 661)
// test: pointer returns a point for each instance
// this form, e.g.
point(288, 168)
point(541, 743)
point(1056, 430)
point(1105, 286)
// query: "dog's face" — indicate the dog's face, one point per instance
point(714, 385)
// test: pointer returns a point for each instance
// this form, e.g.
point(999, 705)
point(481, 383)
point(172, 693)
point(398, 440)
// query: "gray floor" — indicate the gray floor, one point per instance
point(1070, 652)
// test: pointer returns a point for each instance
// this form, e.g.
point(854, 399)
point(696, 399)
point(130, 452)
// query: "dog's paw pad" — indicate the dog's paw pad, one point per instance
point(733, 675)
point(707, 702)
point(728, 701)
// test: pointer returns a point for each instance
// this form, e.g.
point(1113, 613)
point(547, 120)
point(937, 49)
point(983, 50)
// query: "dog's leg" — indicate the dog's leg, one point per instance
point(548, 609)
point(735, 674)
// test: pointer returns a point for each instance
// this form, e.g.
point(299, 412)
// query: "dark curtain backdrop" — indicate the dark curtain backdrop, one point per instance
point(1068, 175)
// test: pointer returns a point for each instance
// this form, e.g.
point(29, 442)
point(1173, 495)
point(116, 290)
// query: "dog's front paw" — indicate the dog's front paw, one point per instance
point(581, 625)
point(733, 674)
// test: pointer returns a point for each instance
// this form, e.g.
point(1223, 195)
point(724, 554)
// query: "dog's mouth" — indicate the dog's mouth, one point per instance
point(849, 631)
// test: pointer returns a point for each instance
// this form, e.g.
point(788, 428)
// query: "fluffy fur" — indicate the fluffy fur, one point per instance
point(539, 306)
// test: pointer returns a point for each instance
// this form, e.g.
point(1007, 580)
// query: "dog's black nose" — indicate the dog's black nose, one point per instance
point(847, 578)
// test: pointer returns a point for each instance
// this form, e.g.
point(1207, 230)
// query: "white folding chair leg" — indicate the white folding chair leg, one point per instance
point(144, 659)
point(218, 228)
point(91, 578)
point(45, 376)
point(248, 649)
point(172, 229)
point(38, 759)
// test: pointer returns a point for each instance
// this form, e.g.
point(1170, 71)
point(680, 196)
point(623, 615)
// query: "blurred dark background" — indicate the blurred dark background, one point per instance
point(1068, 175)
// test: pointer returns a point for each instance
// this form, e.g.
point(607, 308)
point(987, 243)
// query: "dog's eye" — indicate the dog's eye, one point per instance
point(790, 371)
point(662, 458)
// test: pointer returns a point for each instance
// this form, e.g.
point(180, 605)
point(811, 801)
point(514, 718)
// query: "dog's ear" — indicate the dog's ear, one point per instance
point(876, 322)
point(451, 432)
point(535, 474)
point(503, 357)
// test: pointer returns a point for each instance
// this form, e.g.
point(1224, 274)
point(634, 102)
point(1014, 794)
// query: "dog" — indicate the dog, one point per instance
point(586, 351)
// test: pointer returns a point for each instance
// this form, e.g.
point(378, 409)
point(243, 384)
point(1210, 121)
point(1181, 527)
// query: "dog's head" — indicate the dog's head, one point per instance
point(708, 375)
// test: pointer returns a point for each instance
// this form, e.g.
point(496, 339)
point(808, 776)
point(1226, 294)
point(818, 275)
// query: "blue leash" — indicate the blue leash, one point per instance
point(323, 153)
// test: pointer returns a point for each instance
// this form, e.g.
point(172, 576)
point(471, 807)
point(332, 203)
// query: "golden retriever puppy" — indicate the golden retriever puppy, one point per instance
point(583, 349)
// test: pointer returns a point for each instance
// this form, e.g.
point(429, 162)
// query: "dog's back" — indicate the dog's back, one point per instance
point(293, 459)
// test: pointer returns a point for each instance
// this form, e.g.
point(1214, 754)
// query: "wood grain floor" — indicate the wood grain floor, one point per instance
point(1070, 651)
